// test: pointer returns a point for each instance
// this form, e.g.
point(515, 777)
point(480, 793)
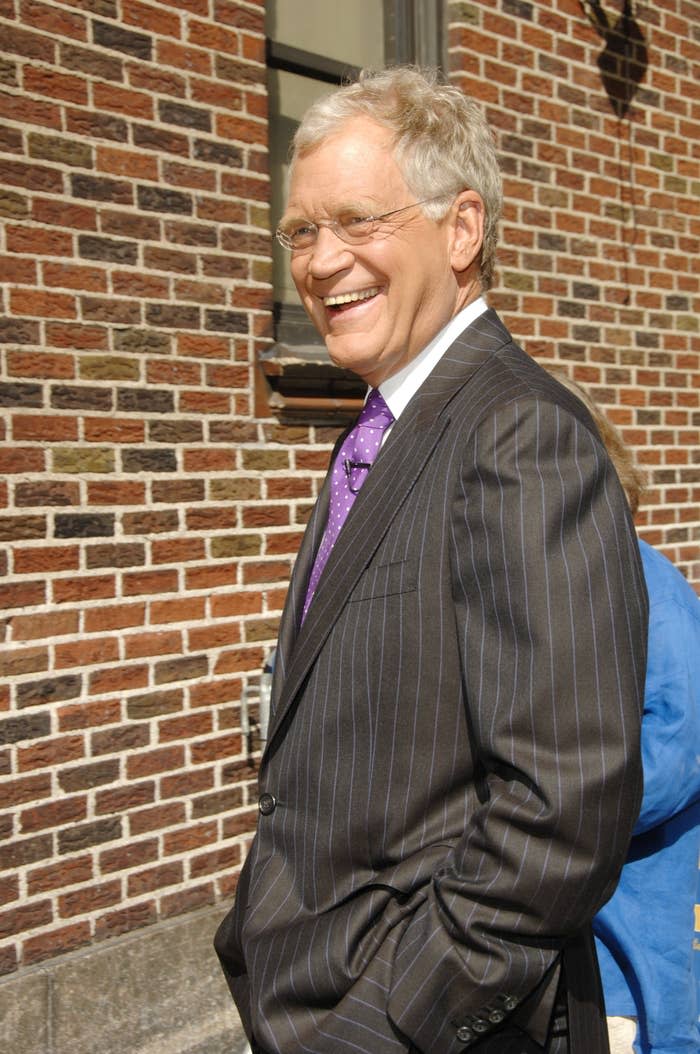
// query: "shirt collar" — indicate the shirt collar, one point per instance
point(399, 389)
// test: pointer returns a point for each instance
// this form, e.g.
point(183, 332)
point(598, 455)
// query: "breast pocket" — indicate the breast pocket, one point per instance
point(385, 580)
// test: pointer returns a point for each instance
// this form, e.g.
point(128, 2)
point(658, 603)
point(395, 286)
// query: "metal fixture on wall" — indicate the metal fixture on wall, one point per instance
point(622, 63)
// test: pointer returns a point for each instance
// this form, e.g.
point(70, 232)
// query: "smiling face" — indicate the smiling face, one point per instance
point(377, 304)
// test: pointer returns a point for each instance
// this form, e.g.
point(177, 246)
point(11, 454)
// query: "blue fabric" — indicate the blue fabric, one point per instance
point(644, 934)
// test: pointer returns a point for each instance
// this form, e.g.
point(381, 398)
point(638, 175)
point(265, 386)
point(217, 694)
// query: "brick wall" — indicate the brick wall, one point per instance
point(149, 520)
point(600, 259)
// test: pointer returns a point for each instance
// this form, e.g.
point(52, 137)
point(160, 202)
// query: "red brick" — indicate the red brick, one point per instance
point(157, 818)
point(114, 923)
point(84, 587)
point(87, 652)
point(18, 270)
point(54, 814)
point(179, 174)
point(52, 428)
point(37, 626)
point(216, 749)
point(113, 493)
point(115, 617)
point(76, 335)
point(205, 403)
point(43, 365)
point(115, 99)
point(56, 751)
point(56, 942)
point(49, 558)
point(124, 799)
point(150, 880)
point(184, 784)
point(90, 898)
point(147, 763)
point(9, 889)
point(25, 917)
point(156, 582)
point(194, 836)
point(75, 276)
point(187, 610)
point(30, 788)
point(89, 714)
point(214, 693)
point(33, 302)
point(122, 162)
point(22, 594)
point(57, 876)
point(219, 635)
point(150, 17)
point(141, 645)
point(198, 723)
point(39, 241)
point(30, 111)
point(193, 59)
point(189, 899)
point(64, 214)
point(238, 603)
point(239, 659)
point(51, 21)
point(17, 661)
point(135, 854)
point(120, 678)
point(168, 372)
point(40, 81)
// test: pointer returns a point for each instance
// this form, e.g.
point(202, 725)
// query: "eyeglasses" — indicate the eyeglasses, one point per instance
point(301, 235)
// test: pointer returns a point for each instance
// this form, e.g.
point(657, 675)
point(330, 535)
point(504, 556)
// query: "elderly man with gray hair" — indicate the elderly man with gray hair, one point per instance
point(452, 771)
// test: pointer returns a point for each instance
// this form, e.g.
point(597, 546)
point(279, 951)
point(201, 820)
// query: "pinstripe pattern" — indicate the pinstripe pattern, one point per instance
point(454, 739)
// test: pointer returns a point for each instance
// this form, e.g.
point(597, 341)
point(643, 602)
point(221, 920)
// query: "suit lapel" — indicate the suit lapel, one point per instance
point(401, 460)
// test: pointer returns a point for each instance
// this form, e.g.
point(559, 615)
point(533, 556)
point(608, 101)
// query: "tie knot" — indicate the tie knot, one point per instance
point(375, 412)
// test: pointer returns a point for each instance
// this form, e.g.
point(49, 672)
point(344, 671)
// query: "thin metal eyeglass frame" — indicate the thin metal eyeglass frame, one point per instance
point(340, 231)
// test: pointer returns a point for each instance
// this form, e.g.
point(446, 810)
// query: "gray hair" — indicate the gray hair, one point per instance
point(442, 141)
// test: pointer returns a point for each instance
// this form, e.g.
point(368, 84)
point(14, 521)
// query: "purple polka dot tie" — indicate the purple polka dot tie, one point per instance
point(350, 468)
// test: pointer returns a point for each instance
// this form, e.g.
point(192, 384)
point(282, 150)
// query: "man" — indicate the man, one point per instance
point(452, 771)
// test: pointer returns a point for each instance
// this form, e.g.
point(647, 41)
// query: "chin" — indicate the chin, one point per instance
point(356, 364)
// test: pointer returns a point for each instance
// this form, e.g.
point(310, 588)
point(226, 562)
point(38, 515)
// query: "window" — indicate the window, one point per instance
point(312, 47)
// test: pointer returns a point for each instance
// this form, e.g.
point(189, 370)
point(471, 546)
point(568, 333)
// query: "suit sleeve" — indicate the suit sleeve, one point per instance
point(550, 610)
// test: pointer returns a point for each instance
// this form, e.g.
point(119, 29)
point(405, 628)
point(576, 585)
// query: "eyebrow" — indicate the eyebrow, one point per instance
point(366, 208)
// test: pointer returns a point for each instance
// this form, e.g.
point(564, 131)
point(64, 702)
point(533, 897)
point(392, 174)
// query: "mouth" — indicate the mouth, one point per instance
point(344, 300)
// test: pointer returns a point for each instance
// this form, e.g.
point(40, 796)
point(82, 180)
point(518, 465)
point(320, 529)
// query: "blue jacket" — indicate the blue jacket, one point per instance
point(644, 934)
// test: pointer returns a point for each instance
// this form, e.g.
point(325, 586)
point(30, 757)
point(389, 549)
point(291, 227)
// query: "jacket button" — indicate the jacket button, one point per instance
point(479, 1025)
point(464, 1034)
point(267, 804)
point(496, 1016)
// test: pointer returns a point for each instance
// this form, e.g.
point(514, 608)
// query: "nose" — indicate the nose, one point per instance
point(329, 254)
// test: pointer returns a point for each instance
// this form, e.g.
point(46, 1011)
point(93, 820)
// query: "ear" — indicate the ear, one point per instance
point(467, 230)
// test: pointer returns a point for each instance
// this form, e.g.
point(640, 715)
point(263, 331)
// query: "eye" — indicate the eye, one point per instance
point(298, 234)
point(356, 225)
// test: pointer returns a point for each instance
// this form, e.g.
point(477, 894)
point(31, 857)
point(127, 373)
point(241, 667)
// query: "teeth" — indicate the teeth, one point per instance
point(350, 298)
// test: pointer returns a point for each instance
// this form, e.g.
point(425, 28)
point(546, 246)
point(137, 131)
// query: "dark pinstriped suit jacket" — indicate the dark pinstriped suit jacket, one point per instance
point(453, 751)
